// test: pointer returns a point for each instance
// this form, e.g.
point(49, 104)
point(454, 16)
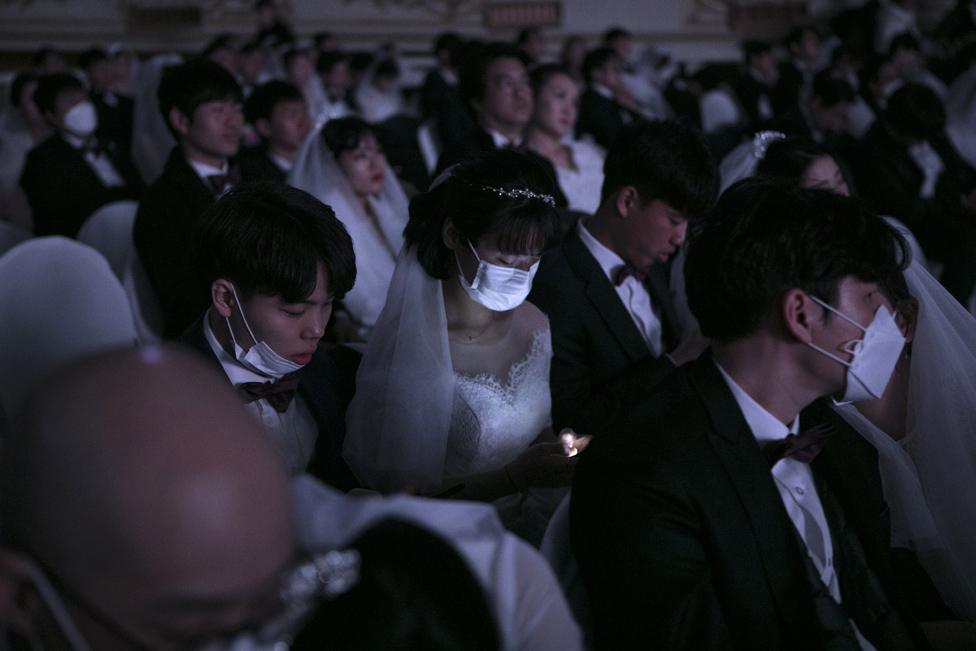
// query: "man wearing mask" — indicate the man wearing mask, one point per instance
point(72, 173)
point(734, 508)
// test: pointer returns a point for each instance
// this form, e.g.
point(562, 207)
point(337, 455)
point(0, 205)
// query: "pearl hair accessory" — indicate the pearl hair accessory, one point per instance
point(763, 140)
point(520, 193)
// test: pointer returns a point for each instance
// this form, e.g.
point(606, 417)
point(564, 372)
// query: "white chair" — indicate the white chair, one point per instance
point(60, 301)
point(146, 312)
point(557, 548)
point(109, 231)
point(11, 236)
point(429, 146)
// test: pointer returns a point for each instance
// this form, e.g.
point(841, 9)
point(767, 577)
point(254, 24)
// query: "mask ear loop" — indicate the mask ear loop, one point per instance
point(240, 308)
point(57, 609)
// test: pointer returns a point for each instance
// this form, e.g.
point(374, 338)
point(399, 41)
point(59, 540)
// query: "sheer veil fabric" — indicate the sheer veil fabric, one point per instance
point(400, 418)
point(928, 476)
point(376, 240)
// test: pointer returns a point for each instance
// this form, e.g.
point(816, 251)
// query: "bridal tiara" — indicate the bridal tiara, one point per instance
point(520, 193)
point(762, 141)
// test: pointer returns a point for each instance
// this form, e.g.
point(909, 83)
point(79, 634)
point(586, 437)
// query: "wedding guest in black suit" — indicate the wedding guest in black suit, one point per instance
point(440, 99)
point(201, 104)
point(606, 288)
point(755, 87)
point(115, 112)
point(698, 524)
point(72, 173)
point(279, 114)
point(797, 72)
point(275, 259)
point(601, 115)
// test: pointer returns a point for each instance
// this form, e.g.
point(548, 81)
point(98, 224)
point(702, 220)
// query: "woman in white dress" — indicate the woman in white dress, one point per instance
point(578, 163)
point(342, 165)
point(452, 395)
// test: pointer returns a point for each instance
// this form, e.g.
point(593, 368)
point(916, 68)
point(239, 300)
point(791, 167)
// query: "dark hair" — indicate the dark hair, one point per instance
point(871, 68)
point(752, 49)
point(414, 592)
point(262, 102)
point(219, 42)
point(329, 60)
point(523, 224)
point(903, 41)
point(41, 56)
point(321, 37)
point(525, 34)
point(90, 57)
point(51, 85)
point(914, 110)
point(664, 160)
point(292, 53)
point(768, 236)
point(830, 90)
point(614, 33)
point(473, 75)
point(543, 73)
point(344, 134)
point(269, 238)
point(17, 87)
point(387, 68)
point(596, 59)
point(186, 86)
point(795, 35)
point(448, 41)
point(789, 158)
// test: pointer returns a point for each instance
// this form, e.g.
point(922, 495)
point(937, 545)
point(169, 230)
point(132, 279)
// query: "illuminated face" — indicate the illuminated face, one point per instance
point(556, 105)
point(823, 173)
point(507, 102)
point(215, 130)
point(364, 166)
point(289, 125)
point(653, 233)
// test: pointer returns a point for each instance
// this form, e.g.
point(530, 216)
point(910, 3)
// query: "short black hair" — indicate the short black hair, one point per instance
point(523, 224)
point(329, 60)
point(543, 73)
point(260, 105)
point(447, 41)
point(293, 52)
point(596, 59)
point(789, 158)
point(752, 49)
point(269, 238)
point(186, 86)
point(51, 85)
point(219, 42)
point(42, 55)
point(17, 86)
point(795, 35)
point(90, 57)
point(321, 37)
point(525, 34)
point(387, 68)
point(614, 33)
point(344, 134)
point(414, 591)
point(665, 160)
point(473, 77)
point(768, 236)
point(830, 90)
point(903, 41)
point(914, 110)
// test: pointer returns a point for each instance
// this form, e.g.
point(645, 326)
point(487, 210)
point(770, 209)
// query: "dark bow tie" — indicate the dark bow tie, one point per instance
point(220, 182)
point(628, 271)
point(279, 394)
point(803, 447)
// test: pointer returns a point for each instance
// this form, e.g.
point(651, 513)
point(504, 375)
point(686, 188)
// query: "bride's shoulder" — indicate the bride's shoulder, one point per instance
point(530, 320)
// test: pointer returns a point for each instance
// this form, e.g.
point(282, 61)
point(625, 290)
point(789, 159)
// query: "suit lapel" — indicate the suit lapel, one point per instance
point(656, 284)
point(604, 298)
point(748, 471)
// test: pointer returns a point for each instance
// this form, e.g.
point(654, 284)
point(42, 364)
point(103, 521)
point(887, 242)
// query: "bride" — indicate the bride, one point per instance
point(342, 165)
point(452, 396)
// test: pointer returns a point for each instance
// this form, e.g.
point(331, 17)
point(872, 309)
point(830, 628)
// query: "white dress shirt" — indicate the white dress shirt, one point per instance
point(631, 291)
point(293, 431)
point(931, 165)
point(100, 164)
point(501, 140)
point(794, 481)
point(203, 171)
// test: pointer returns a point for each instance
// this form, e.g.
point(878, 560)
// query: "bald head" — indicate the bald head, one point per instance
point(139, 475)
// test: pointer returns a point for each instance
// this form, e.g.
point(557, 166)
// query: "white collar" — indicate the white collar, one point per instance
point(283, 164)
point(608, 260)
point(236, 373)
point(203, 170)
point(73, 140)
point(448, 75)
point(765, 427)
point(502, 140)
point(600, 89)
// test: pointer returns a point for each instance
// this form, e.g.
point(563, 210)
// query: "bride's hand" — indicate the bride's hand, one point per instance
point(544, 465)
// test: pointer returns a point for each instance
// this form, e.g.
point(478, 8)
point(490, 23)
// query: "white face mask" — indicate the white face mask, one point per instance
point(81, 120)
point(873, 356)
point(495, 287)
point(260, 358)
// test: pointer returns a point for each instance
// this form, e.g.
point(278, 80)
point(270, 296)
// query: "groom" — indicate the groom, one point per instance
point(693, 525)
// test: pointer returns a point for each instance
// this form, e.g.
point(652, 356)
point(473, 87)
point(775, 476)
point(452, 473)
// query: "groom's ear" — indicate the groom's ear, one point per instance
point(450, 235)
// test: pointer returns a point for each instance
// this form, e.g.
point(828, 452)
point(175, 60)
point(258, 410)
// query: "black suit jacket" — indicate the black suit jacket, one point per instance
point(163, 235)
point(320, 386)
point(602, 117)
point(256, 165)
point(64, 190)
point(683, 541)
point(600, 359)
point(115, 120)
point(442, 103)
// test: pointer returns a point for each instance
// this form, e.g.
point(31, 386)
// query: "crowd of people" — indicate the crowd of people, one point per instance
point(594, 350)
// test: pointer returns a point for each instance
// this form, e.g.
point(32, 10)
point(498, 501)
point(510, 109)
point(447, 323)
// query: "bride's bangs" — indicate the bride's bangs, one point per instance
point(527, 231)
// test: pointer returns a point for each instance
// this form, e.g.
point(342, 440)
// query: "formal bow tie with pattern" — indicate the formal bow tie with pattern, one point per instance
point(803, 447)
point(279, 394)
point(628, 271)
point(219, 183)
